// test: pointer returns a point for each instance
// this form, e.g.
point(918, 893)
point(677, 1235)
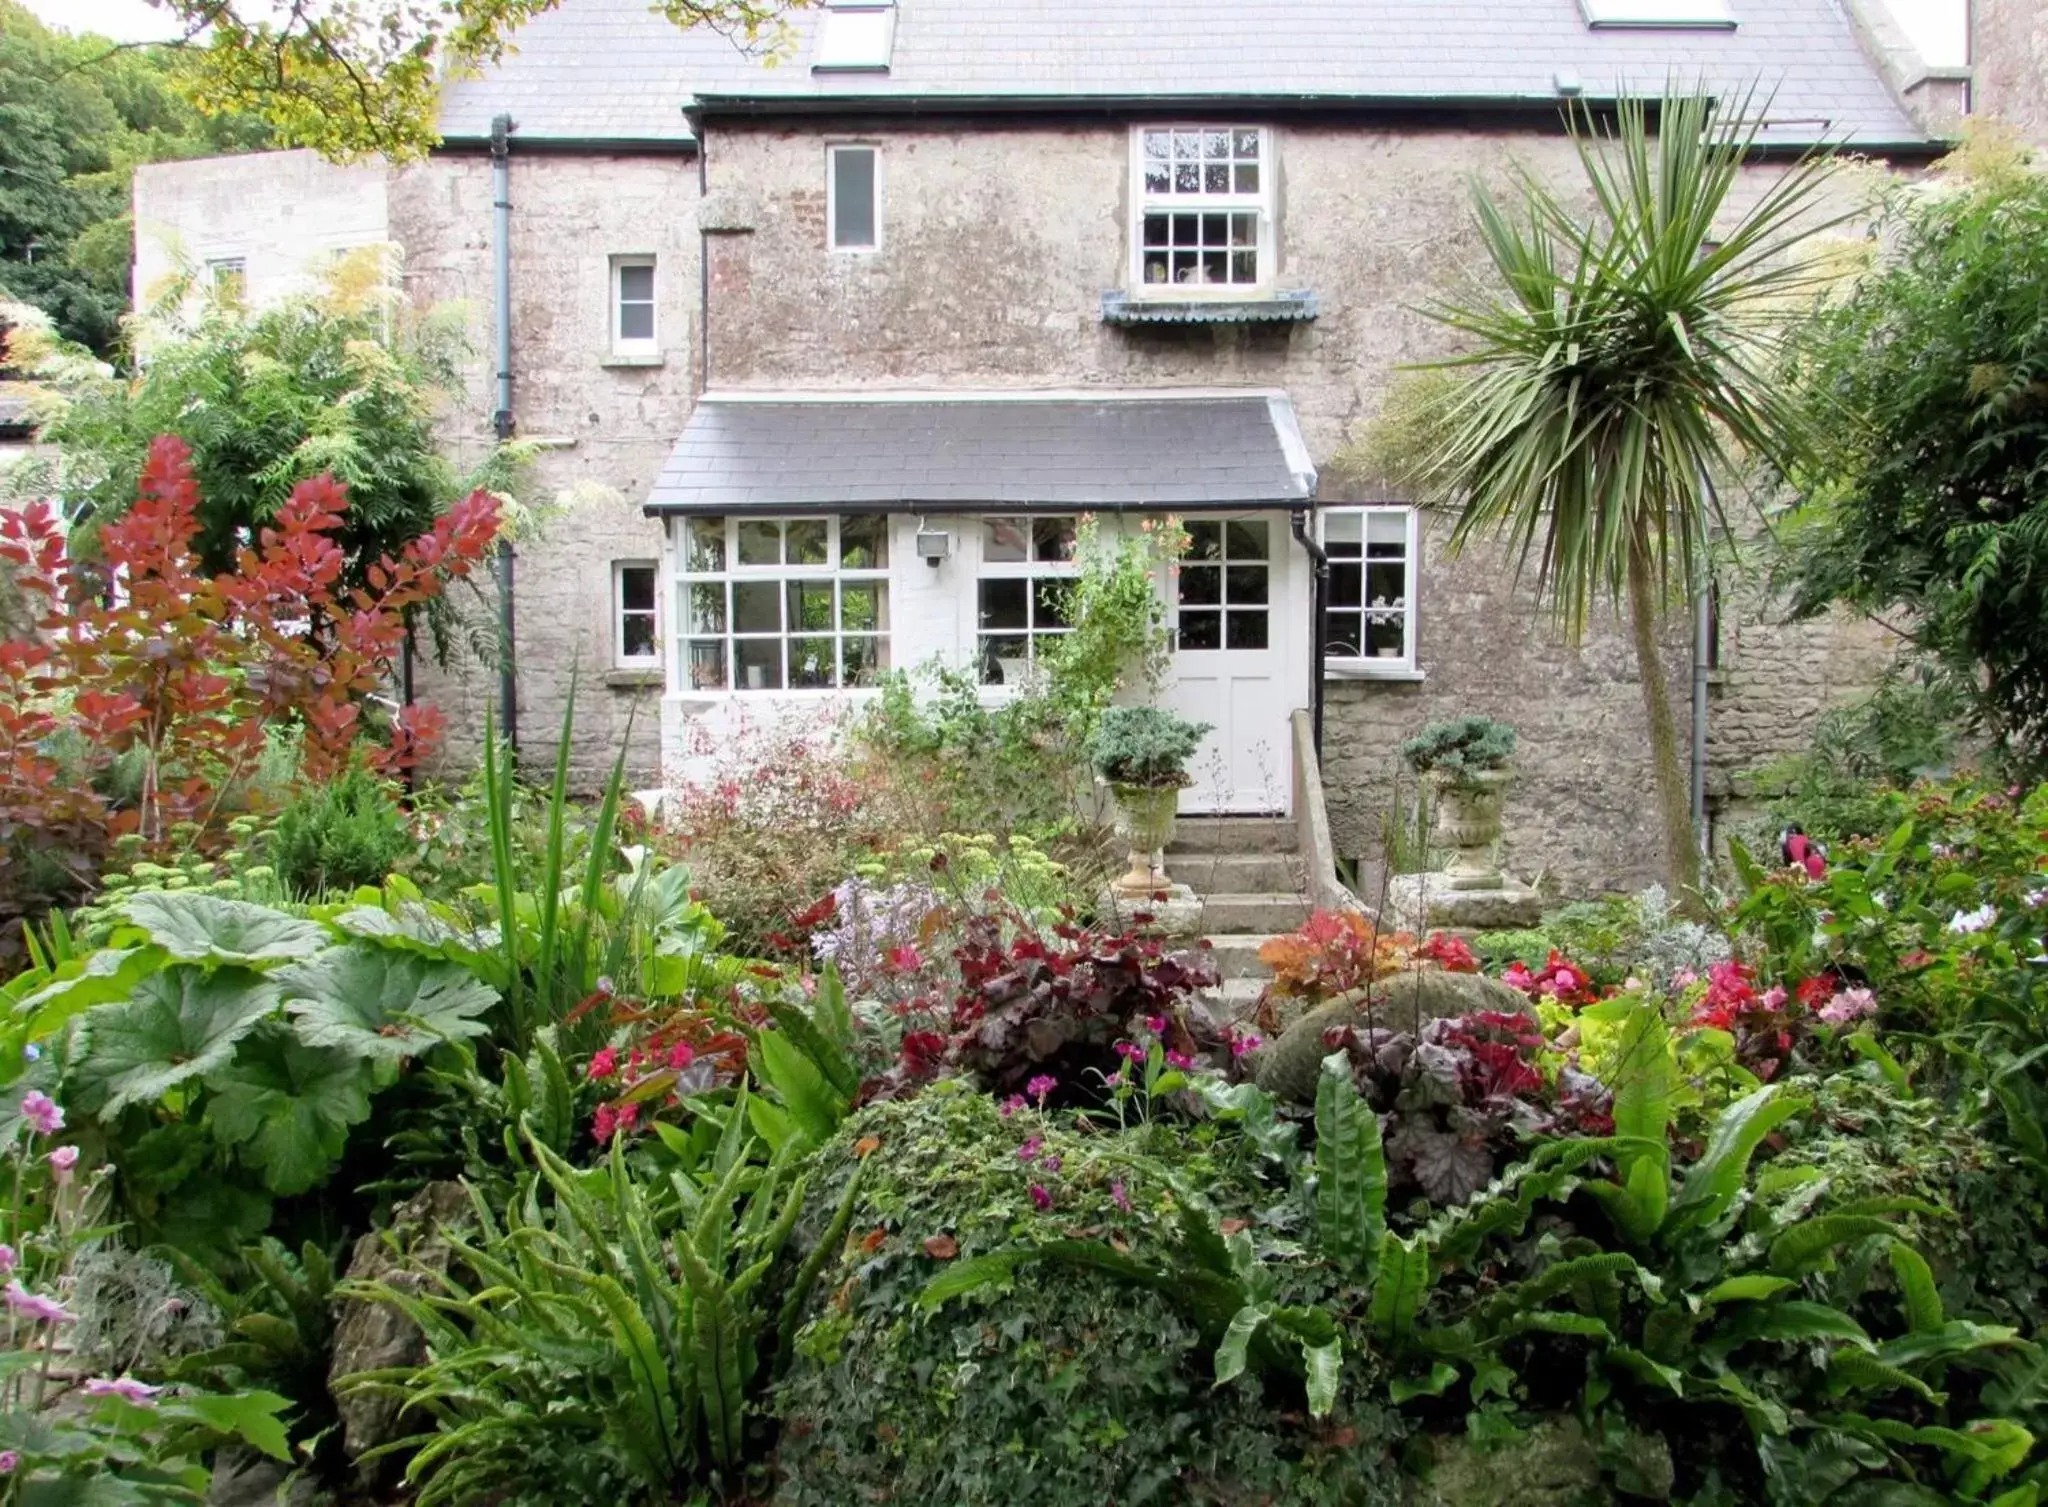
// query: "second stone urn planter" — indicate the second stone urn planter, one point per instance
point(1145, 820)
point(1468, 821)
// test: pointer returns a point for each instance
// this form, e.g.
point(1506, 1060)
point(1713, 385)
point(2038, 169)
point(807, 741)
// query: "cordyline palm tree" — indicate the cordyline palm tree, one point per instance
point(1623, 358)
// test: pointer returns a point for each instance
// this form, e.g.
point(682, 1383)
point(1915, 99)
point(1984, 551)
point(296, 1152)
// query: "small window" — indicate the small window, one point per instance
point(230, 278)
point(633, 305)
point(1027, 568)
point(636, 636)
point(1714, 15)
point(1202, 218)
point(853, 187)
point(1369, 619)
point(854, 36)
point(774, 604)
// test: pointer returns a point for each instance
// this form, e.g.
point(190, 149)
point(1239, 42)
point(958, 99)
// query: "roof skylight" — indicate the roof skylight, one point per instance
point(1704, 15)
point(854, 37)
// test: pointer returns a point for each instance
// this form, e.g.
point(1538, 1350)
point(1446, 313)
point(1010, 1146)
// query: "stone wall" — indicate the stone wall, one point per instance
point(2009, 63)
point(604, 425)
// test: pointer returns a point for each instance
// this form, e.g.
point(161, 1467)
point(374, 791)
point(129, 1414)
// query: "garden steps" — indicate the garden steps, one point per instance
point(1247, 872)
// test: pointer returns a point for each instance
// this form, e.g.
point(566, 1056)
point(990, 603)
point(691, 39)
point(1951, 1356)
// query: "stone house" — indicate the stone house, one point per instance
point(836, 351)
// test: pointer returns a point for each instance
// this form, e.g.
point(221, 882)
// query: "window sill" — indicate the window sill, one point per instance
point(1123, 308)
point(644, 679)
point(1362, 670)
point(623, 359)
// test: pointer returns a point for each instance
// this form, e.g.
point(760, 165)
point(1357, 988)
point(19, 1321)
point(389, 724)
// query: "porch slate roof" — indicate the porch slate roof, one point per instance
point(613, 71)
point(1195, 449)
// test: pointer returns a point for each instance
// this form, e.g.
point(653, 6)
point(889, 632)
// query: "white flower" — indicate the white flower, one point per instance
point(2035, 899)
point(1973, 920)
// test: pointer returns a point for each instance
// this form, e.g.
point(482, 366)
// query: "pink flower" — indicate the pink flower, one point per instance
point(1848, 1005)
point(42, 1113)
point(1685, 978)
point(9, 1462)
point(604, 1064)
point(681, 1055)
point(1180, 1060)
point(61, 1161)
point(1011, 1105)
point(1243, 1044)
point(1051, 1164)
point(1040, 1197)
point(1041, 1086)
point(33, 1305)
point(8, 1259)
point(1028, 1152)
point(1518, 976)
point(904, 959)
point(1775, 997)
point(1119, 1197)
point(1156, 1024)
point(1130, 1051)
point(127, 1388)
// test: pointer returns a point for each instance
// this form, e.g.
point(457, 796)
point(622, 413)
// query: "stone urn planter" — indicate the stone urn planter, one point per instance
point(1468, 819)
point(1145, 815)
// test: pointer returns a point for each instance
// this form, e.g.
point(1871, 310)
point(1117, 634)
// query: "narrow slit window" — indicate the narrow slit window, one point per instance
point(633, 305)
point(853, 179)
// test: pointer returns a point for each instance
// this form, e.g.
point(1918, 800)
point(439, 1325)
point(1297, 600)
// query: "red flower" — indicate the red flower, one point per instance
point(681, 1055)
point(604, 1064)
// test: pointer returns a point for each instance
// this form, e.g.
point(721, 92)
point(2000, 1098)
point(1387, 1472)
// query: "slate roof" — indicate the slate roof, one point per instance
point(610, 70)
point(17, 418)
point(1193, 449)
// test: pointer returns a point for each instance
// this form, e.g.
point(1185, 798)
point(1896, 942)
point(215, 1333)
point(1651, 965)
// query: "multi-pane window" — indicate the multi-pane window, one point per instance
point(633, 305)
point(636, 639)
point(774, 604)
point(1204, 198)
point(853, 180)
point(1369, 618)
point(1225, 585)
point(1027, 568)
point(230, 277)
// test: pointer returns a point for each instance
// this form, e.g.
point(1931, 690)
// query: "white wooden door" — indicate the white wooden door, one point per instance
point(1232, 626)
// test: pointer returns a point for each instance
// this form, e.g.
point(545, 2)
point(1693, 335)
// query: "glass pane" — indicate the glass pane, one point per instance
point(1247, 585)
point(1155, 268)
point(1343, 534)
point(1006, 540)
point(1158, 178)
point(707, 607)
point(1387, 528)
point(760, 663)
point(1347, 582)
point(1215, 267)
point(1052, 539)
point(636, 588)
point(760, 541)
point(810, 663)
point(704, 549)
point(1205, 540)
point(1248, 142)
point(1386, 585)
point(636, 635)
point(1187, 145)
point(863, 606)
point(706, 658)
point(1343, 636)
point(1248, 539)
point(1201, 586)
point(636, 284)
point(808, 543)
point(1244, 266)
point(1247, 177)
point(1244, 230)
point(757, 606)
point(1216, 178)
point(864, 660)
point(810, 608)
point(1201, 630)
point(636, 321)
point(1216, 229)
point(1247, 629)
point(1005, 659)
point(853, 197)
point(1187, 230)
point(1049, 604)
point(1003, 604)
point(1386, 638)
point(1158, 145)
point(1215, 143)
point(864, 542)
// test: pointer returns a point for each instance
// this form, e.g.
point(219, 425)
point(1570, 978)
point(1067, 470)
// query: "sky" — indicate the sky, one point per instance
point(1935, 26)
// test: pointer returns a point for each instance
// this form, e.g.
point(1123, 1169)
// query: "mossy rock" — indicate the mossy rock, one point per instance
point(1289, 1067)
point(1552, 1464)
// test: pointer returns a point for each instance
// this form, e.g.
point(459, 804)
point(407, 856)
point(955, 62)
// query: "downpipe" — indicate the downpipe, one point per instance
point(501, 421)
point(1318, 598)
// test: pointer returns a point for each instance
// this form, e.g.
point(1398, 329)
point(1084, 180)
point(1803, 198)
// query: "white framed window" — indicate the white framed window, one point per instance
point(772, 604)
point(855, 36)
point(1201, 210)
point(1027, 567)
point(636, 614)
point(229, 276)
point(1369, 616)
point(1704, 15)
point(632, 300)
point(853, 196)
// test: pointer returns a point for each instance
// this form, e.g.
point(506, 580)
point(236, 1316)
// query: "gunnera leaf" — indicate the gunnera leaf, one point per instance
point(178, 1024)
point(288, 1105)
point(380, 1003)
point(196, 928)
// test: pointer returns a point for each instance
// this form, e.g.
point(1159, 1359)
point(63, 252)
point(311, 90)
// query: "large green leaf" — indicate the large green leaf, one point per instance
point(100, 978)
point(1405, 1275)
point(196, 928)
point(289, 1105)
point(1714, 1181)
point(250, 1416)
point(179, 1024)
point(381, 1003)
point(1351, 1173)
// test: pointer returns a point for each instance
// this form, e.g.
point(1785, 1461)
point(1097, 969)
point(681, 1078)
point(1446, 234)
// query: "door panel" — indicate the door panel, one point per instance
point(1231, 608)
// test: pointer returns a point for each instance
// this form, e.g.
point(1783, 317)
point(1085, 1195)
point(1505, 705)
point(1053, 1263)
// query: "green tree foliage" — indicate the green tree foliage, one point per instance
point(1929, 499)
point(76, 117)
point(1613, 363)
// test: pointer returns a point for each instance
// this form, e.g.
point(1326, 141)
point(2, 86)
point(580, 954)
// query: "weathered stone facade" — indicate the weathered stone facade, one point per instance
point(2009, 64)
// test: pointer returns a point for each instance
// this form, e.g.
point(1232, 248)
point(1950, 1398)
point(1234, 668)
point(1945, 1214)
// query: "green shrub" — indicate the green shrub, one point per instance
point(1144, 745)
point(1064, 1386)
point(1464, 745)
point(339, 835)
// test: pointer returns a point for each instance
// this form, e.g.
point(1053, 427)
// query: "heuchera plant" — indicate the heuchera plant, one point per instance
point(143, 650)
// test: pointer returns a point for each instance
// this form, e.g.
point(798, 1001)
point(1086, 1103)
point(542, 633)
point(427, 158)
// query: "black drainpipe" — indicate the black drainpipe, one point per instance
point(1318, 596)
point(501, 420)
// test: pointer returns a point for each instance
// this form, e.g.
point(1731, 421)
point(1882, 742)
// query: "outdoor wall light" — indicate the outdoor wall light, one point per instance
point(934, 545)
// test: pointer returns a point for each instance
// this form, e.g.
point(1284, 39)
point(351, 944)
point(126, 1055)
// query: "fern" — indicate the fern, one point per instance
point(1351, 1174)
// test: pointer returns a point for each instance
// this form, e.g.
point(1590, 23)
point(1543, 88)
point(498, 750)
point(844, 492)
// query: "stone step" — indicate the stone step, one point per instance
point(1237, 873)
point(1262, 913)
point(1235, 998)
point(1237, 957)
point(1232, 834)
